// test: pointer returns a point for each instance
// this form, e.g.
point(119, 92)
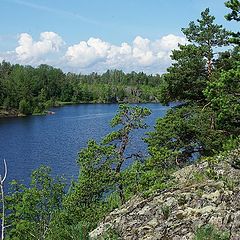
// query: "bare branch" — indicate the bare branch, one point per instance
point(7, 226)
point(137, 155)
point(32, 234)
point(206, 106)
point(5, 171)
point(2, 195)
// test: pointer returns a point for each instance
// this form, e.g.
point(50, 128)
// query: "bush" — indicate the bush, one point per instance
point(25, 107)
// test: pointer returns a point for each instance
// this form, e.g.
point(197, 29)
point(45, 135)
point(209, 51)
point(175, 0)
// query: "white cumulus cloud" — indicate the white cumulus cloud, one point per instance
point(95, 54)
point(141, 55)
point(87, 53)
point(30, 51)
point(142, 51)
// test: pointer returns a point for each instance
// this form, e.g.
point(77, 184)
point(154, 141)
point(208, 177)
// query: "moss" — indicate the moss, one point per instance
point(210, 232)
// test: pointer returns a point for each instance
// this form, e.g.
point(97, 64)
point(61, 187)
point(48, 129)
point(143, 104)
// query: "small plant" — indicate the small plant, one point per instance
point(199, 192)
point(111, 234)
point(210, 232)
point(211, 173)
point(199, 177)
point(229, 183)
point(182, 200)
point(165, 211)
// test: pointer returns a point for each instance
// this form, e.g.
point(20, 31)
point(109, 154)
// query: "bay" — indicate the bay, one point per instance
point(55, 140)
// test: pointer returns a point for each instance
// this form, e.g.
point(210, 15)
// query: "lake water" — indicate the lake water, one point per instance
point(55, 140)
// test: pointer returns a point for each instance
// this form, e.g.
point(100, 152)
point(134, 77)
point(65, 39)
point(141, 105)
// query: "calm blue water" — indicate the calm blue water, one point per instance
point(55, 140)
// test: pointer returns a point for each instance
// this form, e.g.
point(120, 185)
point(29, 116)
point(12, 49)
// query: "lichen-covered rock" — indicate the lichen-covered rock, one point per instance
point(207, 193)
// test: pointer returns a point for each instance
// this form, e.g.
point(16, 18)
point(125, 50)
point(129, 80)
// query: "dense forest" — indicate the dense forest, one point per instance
point(33, 90)
point(206, 81)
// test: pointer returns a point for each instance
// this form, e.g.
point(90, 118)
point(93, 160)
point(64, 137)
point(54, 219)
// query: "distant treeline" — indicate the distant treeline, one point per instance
point(32, 90)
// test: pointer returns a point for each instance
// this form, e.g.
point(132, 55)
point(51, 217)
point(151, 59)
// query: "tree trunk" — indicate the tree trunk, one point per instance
point(121, 151)
point(209, 67)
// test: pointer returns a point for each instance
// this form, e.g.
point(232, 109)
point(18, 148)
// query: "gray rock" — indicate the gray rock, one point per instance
point(190, 205)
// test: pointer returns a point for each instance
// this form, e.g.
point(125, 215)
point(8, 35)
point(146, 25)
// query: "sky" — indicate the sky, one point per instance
point(83, 36)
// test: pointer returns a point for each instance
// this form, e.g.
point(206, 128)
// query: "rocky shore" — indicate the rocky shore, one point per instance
point(206, 197)
point(4, 113)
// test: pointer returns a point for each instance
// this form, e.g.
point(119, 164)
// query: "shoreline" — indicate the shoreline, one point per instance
point(14, 113)
point(10, 113)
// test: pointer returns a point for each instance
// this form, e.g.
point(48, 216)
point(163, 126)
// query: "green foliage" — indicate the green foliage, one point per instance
point(95, 180)
point(231, 143)
point(234, 5)
point(206, 34)
point(102, 184)
point(127, 120)
point(210, 88)
point(199, 177)
point(25, 107)
point(186, 78)
point(209, 232)
point(111, 234)
point(223, 93)
point(31, 209)
point(166, 210)
point(33, 90)
point(62, 228)
point(183, 133)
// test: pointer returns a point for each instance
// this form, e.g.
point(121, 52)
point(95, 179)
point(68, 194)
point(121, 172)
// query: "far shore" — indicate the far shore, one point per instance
point(10, 113)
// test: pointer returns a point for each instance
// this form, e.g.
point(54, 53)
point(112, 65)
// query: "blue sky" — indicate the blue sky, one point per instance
point(93, 35)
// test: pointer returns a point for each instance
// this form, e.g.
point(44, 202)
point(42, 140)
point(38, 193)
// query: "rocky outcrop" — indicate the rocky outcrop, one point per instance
point(205, 193)
point(4, 113)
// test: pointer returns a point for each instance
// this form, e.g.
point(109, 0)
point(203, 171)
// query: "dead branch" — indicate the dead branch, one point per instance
point(206, 106)
point(2, 196)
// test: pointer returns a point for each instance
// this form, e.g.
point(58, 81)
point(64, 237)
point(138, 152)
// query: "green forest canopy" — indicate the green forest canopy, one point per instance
point(33, 90)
